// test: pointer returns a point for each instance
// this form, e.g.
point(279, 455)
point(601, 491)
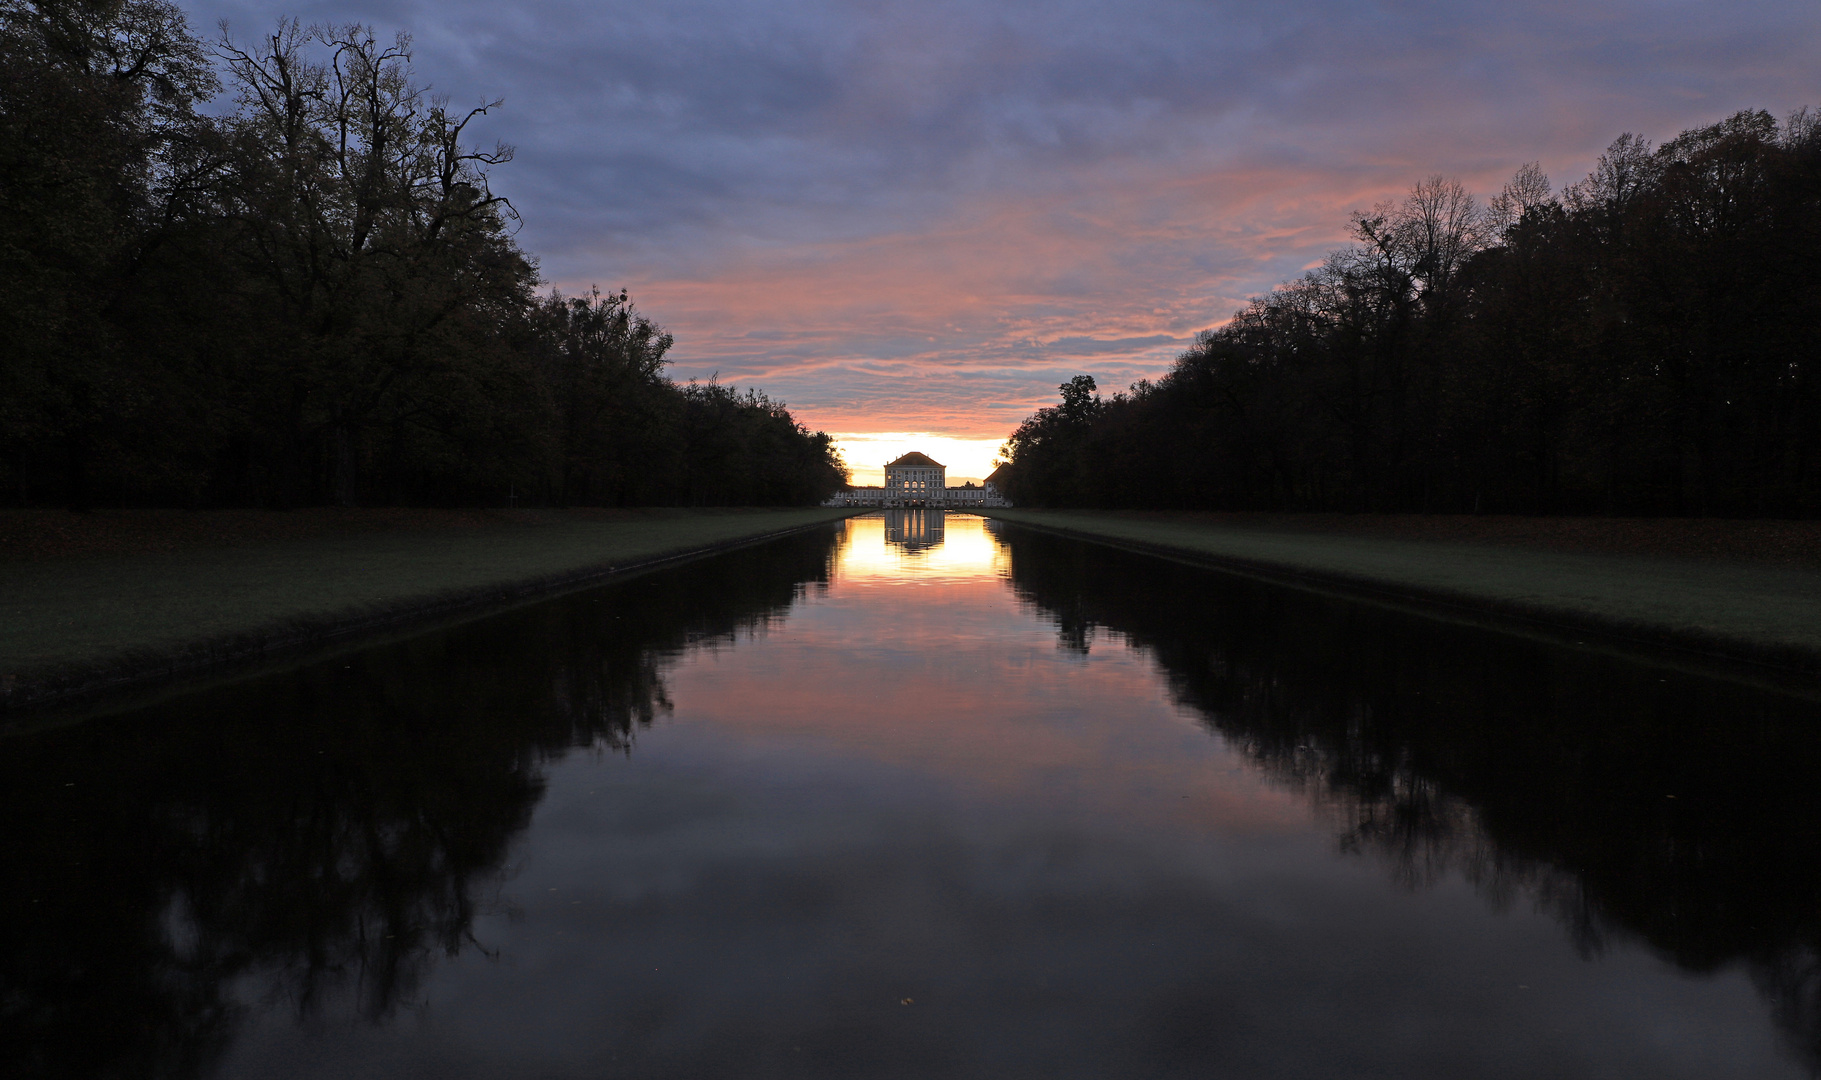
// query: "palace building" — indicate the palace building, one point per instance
point(917, 480)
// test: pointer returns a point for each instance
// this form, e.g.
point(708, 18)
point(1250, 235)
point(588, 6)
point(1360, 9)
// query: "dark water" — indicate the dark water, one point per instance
point(916, 799)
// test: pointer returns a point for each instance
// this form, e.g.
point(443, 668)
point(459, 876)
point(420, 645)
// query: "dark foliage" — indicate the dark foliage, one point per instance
point(315, 298)
point(1646, 343)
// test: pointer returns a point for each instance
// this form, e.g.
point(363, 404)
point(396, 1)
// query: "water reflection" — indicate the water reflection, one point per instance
point(907, 821)
point(959, 548)
point(1631, 802)
point(914, 528)
point(330, 832)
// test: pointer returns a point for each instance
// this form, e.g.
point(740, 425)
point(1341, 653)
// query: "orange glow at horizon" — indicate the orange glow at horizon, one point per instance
point(867, 453)
point(935, 686)
point(967, 553)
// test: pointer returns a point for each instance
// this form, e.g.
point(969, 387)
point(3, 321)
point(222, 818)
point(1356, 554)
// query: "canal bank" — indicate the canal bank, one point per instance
point(1723, 609)
point(72, 627)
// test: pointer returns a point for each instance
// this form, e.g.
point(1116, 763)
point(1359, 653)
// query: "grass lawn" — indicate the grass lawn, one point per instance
point(1734, 605)
point(176, 592)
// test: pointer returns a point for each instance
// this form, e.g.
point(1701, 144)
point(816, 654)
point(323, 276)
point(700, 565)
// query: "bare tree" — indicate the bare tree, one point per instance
point(1527, 189)
point(371, 225)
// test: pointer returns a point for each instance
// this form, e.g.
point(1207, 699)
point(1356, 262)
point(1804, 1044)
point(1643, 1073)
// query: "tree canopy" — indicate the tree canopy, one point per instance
point(1643, 342)
point(314, 295)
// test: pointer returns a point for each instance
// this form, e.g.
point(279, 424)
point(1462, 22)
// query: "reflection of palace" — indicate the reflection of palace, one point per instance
point(915, 480)
point(914, 528)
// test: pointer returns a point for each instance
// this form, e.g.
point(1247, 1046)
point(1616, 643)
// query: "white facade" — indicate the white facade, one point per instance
point(915, 480)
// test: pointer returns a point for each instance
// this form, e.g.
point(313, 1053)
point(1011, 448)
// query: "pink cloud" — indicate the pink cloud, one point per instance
point(922, 216)
point(965, 328)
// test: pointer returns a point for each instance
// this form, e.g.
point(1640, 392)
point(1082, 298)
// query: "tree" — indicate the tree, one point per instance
point(613, 409)
point(1642, 344)
point(98, 152)
point(370, 240)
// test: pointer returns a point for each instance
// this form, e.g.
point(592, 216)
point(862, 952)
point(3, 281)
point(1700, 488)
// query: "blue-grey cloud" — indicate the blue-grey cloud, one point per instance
point(1149, 163)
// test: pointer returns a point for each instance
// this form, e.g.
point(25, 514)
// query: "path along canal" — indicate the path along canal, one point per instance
point(894, 800)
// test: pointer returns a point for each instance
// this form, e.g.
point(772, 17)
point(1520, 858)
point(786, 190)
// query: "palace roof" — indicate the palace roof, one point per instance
point(914, 460)
point(997, 479)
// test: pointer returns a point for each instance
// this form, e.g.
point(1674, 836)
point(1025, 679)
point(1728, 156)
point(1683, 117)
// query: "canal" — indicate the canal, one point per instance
point(915, 797)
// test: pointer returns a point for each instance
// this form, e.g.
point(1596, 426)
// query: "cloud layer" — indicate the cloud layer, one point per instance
point(924, 215)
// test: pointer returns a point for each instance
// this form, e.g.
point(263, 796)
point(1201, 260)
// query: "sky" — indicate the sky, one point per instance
point(912, 220)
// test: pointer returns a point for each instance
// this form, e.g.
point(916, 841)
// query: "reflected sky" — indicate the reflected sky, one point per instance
point(994, 806)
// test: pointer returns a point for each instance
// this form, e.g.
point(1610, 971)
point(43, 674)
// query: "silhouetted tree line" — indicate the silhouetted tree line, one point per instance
point(1599, 789)
point(312, 296)
point(1644, 342)
point(319, 838)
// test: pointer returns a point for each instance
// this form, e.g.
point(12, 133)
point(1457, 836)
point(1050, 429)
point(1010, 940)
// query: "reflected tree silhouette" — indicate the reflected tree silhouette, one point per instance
point(324, 834)
point(1630, 802)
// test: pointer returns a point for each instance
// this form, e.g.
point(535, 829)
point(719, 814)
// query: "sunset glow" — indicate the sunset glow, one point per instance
point(866, 453)
point(967, 553)
point(903, 218)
